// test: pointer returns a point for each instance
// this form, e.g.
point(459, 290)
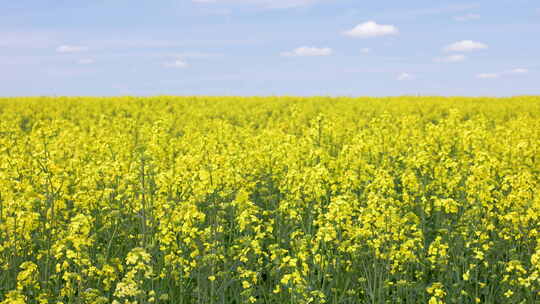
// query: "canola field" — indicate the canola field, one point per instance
point(269, 200)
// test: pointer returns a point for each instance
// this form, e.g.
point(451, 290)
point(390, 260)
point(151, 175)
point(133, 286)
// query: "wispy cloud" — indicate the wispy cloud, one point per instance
point(519, 71)
point(501, 74)
point(71, 48)
point(178, 63)
point(269, 4)
point(467, 17)
point(365, 50)
point(487, 75)
point(371, 29)
point(430, 11)
point(86, 61)
point(307, 51)
point(405, 76)
point(179, 59)
point(465, 46)
point(198, 55)
point(451, 58)
point(126, 41)
point(27, 39)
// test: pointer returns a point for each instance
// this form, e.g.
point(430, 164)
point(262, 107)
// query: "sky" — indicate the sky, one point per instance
point(269, 47)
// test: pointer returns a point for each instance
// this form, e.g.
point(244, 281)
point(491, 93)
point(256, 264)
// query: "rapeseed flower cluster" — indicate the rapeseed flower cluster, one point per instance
point(269, 200)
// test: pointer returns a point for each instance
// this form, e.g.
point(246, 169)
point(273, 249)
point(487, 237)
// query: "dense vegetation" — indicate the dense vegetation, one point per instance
point(269, 200)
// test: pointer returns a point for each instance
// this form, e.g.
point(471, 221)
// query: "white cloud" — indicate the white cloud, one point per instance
point(86, 61)
point(307, 51)
point(519, 71)
point(371, 29)
point(487, 76)
point(467, 17)
point(365, 50)
point(451, 58)
point(405, 76)
point(465, 46)
point(178, 63)
point(71, 49)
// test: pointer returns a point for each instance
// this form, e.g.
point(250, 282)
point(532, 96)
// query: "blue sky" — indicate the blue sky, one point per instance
point(269, 47)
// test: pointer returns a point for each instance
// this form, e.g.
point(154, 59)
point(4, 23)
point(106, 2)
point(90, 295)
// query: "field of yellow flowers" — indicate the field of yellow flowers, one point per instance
point(269, 200)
